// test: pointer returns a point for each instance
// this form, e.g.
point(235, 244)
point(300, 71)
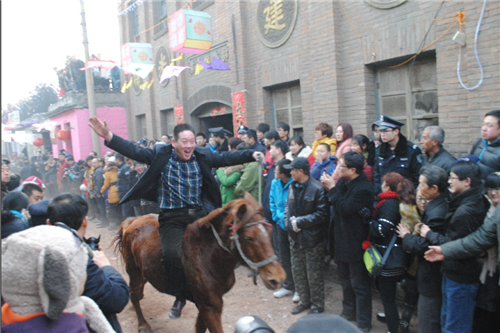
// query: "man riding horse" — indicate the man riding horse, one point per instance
point(180, 179)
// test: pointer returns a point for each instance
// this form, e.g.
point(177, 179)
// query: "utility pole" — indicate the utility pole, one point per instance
point(89, 78)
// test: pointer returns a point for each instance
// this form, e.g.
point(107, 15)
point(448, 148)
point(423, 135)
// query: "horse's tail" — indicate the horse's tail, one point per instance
point(118, 240)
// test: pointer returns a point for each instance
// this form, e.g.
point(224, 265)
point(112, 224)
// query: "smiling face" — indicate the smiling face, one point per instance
point(295, 148)
point(184, 145)
point(457, 185)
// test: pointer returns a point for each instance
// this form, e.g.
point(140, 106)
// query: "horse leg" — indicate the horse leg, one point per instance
point(209, 317)
point(137, 282)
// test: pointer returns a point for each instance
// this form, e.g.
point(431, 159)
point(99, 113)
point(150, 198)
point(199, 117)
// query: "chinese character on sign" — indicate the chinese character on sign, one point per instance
point(274, 13)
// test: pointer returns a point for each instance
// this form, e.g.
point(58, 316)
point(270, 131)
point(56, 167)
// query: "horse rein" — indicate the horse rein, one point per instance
point(235, 240)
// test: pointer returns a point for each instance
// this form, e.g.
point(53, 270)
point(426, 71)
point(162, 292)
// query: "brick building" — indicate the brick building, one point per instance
point(306, 62)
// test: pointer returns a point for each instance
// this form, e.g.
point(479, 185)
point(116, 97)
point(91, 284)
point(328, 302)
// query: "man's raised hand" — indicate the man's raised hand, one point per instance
point(101, 128)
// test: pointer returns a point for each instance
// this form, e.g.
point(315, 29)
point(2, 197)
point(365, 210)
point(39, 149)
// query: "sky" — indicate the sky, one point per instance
point(36, 36)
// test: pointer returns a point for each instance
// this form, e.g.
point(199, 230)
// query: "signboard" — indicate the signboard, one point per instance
point(239, 111)
point(179, 115)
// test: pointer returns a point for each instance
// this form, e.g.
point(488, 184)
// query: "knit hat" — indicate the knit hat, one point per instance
point(42, 270)
point(33, 180)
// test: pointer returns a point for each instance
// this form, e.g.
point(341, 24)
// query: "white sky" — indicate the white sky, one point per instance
point(38, 35)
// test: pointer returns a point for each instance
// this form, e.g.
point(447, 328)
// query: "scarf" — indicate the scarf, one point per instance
point(383, 197)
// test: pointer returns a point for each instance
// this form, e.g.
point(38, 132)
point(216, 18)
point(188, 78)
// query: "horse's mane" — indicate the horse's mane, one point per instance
point(226, 215)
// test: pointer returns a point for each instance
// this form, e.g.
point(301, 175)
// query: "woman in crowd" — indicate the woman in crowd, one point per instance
point(366, 147)
point(322, 134)
point(344, 138)
point(386, 217)
point(229, 176)
point(110, 180)
point(14, 210)
point(299, 149)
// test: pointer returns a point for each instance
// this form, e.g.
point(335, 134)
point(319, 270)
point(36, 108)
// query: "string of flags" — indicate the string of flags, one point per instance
point(131, 7)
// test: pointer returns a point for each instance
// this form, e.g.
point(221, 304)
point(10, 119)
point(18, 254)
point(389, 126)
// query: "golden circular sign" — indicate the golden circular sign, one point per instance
point(275, 21)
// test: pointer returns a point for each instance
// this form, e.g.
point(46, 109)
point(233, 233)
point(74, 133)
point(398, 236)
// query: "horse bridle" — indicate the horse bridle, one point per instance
point(235, 241)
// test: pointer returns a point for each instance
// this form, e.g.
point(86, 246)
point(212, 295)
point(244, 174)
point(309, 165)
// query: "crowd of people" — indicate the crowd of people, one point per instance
point(70, 79)
point(329, 200)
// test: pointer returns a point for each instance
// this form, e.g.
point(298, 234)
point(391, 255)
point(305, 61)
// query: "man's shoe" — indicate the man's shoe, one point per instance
point(381, 317)
point(316, 310)
point(349, 318)
point(175, 311)
point(300, 308)
point(296, 297)
point(282, 293)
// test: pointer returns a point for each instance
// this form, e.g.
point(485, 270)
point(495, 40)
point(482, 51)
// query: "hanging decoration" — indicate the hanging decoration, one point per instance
point(131, 8)
point(170, 71)
point(38, 142)
point(179, 115)
point(64, 135)
point(216, 65)
point(48, 125)
point(239, 110)
point(137, 59)
point(217, 112)
point(190, 31)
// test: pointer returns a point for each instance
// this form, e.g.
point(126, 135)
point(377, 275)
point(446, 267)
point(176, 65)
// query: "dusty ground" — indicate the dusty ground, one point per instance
point(244, 299)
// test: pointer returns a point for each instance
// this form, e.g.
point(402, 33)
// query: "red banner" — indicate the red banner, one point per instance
point(179, 115)
point(239, 111)
point(218, 111)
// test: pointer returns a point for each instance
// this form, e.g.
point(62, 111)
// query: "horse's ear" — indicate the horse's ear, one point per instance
point(251, 200)
point(240, 211)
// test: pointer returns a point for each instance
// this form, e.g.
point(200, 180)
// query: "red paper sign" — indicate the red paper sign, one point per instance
point(179, 115)
point(218, 111)
point(239, 111)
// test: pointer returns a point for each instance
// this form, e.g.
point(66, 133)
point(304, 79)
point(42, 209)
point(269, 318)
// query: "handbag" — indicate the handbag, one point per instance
point(374, 262)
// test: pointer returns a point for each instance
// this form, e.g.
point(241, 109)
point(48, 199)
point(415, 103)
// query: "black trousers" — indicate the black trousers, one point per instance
point(172, 226)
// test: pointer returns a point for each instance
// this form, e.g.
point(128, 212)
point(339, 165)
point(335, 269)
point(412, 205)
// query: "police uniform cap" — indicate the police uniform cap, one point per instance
point(217, 131)
point(242, 129)
point(386, 122)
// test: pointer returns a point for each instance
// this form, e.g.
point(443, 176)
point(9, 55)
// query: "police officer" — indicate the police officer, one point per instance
point(219, 134)
point(395, 153)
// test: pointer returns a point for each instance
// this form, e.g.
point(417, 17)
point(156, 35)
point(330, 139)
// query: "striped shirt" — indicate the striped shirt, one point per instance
point(181, 183)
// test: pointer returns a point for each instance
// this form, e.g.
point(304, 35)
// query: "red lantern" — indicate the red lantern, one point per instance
point(64, 135)
point(38, 142)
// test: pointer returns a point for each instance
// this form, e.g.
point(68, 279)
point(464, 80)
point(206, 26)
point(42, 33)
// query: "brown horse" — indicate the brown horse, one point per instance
point(212, 246)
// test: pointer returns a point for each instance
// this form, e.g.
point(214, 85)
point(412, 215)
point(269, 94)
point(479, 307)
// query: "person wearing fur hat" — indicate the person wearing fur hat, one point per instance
point(43, 274)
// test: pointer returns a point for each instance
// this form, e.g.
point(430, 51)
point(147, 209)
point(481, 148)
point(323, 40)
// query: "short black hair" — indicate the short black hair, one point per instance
point(353, 159)
point(15, 200)
point(468, 169)
point(494, 113)
point(282, 145)
point(29, 188)
point(284, 126)
point(252, 134)
point(234, 142)
point(69, 209)
point(120, 157)
point(435, 176)
point(298, 140)
point(181, 128)
point(272, 134)
point(326, 145)
point(263, 127)
point(281, 169)
point(69, 158)
point(201, 134)
point(493, 180)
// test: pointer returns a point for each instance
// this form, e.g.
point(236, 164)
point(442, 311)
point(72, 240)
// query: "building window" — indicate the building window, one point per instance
point(140, 126)
point(160, 14)
point(133, 23)
point(288, 108)
point(167, 118)
point(201, 4)
point(409, 97)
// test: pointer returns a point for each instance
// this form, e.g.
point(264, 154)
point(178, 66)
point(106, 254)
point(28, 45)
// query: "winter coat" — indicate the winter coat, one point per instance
point(98, 179)
point(305, 152)
point(442, 159)
point(228, 182)
point(349, 201)
point(123, 185)
point(50, 177)
point(383, 228)
point(110, 182)
point(489, 156)
point(12, 222)
point(265, 196)
point(307, 201)
point(158, 157)
point(332, 142)
point(466, 213)
point(327, 166)
point(40, 323)
point(278, 200)
point(249, 181)
point(405, 159)
point(429, 273)
point(108, 289)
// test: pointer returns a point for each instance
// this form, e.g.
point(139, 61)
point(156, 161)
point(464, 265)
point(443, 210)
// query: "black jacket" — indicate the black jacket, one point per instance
point(147, 186)
point(442, 159)
point(466, 213)
point(428, 274)
point(308, 203)
point(123, 183)
point(490, 159)
point(98, 180)
point(382, 229)
point(350, 229)
point(405, 159)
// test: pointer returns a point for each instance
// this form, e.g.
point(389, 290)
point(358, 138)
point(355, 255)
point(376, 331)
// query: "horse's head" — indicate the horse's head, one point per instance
point(252, 237)
point(93, 242)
